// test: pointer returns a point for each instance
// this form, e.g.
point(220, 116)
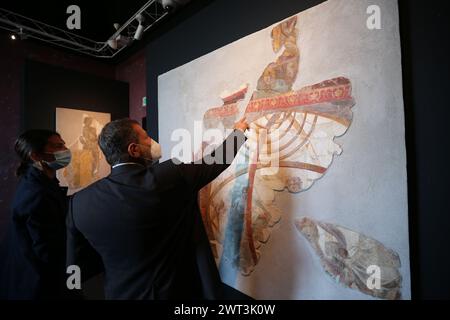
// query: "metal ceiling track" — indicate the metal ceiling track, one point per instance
point(152, 12)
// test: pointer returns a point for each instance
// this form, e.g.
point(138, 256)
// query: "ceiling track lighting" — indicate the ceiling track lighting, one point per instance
point(151, 13)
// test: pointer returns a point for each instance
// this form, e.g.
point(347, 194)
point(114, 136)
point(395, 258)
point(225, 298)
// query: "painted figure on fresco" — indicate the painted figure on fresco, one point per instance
point(86, 165)
point(346, 256)
point(89, 140)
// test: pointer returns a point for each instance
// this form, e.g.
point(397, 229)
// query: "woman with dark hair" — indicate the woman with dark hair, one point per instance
point(32, 261)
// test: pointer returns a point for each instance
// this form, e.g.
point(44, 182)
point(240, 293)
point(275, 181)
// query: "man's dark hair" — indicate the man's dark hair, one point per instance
point(115, 138)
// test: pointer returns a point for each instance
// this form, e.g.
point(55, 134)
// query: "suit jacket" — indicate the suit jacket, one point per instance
point(142, 226)
point(32, 258)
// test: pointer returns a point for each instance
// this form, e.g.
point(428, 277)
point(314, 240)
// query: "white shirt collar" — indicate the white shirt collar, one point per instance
point(125, 164)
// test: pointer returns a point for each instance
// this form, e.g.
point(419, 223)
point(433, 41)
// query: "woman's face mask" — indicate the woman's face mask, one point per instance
point(62, 159)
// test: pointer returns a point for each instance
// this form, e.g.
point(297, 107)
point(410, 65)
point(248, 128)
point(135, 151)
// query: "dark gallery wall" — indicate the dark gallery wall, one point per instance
point(48, 87)
point(425, 66)
point(133, 71)
point(424, 26)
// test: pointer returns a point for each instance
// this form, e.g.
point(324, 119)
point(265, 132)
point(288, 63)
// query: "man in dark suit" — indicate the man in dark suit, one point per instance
point(141, 225)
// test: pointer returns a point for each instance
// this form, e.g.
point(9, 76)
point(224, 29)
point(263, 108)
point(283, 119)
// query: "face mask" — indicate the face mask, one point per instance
point(62, 159)
point(155, 150)
point(152, 152)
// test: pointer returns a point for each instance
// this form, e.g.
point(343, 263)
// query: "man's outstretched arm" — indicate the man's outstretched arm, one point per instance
point(212, 165)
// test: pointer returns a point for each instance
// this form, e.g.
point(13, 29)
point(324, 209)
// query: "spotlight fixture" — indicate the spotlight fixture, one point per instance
point(172, 5)
point(120, 40)
point(131, 30)
point(19, 34)
point(22, 35)
point(169, 5)
point(140, 29)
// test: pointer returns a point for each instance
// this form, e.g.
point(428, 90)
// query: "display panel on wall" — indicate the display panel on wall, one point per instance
point(315, 204)
point(80, 130)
